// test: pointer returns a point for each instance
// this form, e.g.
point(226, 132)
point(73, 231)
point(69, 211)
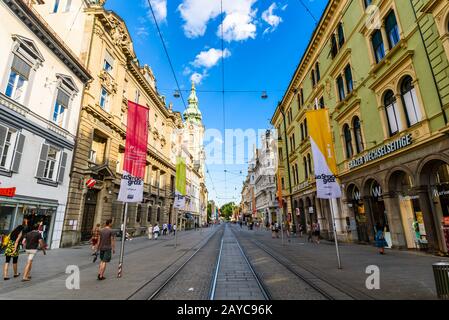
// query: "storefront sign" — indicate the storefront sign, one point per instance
point(382, 151)
point(7, 192)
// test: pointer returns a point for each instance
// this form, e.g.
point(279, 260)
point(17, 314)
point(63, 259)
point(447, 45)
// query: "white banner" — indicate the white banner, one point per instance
point(131, 189)
point(180, 201)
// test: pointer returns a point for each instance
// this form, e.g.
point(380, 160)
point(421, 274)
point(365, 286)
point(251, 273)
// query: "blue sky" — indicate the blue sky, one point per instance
point(264, 41)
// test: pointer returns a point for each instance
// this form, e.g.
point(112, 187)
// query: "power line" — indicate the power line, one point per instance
point(223, 84)
point(166, 53)
point(308, 11)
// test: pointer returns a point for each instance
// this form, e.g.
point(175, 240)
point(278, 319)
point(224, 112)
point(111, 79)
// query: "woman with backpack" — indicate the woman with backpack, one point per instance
point(12, 243)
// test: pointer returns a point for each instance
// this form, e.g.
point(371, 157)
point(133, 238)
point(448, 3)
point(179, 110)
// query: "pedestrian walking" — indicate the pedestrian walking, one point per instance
point(381, 243)
point(169, 228)
point(317, 232)
point(41, 228)
point(174, 229)
point(156, 231)
point(150, 232)
point(106, 246)
point(273, 230)
point(164, 229)
point(12, 245)
point(33, 240)
point(94, 239)
point(310, 232)
point(276, 229)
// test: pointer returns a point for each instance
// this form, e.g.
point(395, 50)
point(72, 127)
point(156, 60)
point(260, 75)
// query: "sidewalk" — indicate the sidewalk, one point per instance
point(403, 274)
point(144, 258)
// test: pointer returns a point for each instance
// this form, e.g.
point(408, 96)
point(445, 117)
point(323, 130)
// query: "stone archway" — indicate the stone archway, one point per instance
point(374, 206)
point(433, 189)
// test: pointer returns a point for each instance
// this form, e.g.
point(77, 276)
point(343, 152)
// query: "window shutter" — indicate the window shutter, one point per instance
point(3, 133)
point(62, 98)
point(42, 161)
point(62, 168)
point(21, 67)
point(18, 153)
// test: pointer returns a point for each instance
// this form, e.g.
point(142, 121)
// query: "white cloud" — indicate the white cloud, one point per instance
point(159, 8)
point(197, 77)
point(208, 59)
point(269, 17)
point(142, 32)
point(239, 20)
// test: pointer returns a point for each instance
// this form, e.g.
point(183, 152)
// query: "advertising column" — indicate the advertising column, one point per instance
point(131, 187)
point(324, 162)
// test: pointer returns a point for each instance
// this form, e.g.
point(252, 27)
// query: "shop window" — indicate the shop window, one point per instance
point(378, 45)
point(150, 214)
point(341, 88)
point(348, 78)
point(410, 101)
point(392, 29)
point(11, 149)
point(393, 116)
point(341, 35)
point(52, 164)
point(358, 134)
point(348, 141)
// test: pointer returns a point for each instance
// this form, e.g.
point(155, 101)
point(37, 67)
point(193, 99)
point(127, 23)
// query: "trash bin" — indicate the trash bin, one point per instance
point(441, 273)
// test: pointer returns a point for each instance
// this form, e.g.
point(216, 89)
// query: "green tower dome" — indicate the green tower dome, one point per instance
point(193, 114)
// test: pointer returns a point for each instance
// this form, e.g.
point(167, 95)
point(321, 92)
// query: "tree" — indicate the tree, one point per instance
point(227, 210)
point(209, 211)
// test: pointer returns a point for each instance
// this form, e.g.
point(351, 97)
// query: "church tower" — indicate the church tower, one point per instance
point(194, 129)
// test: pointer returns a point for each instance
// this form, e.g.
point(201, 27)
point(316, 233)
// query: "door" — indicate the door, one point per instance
point(88, 215)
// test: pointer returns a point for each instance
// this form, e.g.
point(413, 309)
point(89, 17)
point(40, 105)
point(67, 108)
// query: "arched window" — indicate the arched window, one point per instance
point(150, 213)
point(348, 141)
point(391, 108)
point(410, 101)
point(358, 134)
point(378, 45)
point(306, 172)
point(309, 163)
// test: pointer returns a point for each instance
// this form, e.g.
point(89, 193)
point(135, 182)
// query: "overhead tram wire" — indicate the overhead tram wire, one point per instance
point(223, 86)
point(308, 11)
point(166, 53)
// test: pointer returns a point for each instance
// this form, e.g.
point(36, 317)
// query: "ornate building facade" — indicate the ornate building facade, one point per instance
point(101, 39)
point(381, 68)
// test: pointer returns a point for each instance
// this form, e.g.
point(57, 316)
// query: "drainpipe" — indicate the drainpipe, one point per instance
point(440, 99)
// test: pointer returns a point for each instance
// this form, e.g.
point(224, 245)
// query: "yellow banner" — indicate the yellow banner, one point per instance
point(324, 161)
point(181, 176)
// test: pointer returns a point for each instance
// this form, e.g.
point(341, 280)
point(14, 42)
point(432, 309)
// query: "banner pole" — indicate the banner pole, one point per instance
point(335, 233)
point(122, 245)
point(177, 227)
point(282, 226)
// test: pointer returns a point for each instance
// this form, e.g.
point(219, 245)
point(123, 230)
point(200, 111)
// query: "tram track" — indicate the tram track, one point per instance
point(328, 289)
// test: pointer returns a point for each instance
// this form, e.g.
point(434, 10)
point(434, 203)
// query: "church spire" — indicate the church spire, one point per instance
point(193, 114)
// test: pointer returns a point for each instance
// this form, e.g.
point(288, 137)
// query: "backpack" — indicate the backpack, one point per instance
point(5, 240)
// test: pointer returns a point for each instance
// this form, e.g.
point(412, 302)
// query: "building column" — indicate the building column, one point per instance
point(432, 232)
point(394, 220)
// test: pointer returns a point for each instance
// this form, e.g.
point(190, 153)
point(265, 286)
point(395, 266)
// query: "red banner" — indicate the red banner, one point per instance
point(131, 189)
point(7, 192)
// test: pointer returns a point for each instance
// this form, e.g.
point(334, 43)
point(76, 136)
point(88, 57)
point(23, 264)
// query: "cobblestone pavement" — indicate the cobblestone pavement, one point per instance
point(403, 274)
point(144, 260)
point(235, 280)
point(194, 281)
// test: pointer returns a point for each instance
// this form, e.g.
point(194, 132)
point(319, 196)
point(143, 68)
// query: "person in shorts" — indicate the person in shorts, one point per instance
point(106, 246)
point(32, 241)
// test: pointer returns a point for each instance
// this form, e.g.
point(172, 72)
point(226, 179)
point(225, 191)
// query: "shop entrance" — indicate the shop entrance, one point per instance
point(436, 174)
point(377, 208)
point(361, 218)
point(42, 216)
point(409, 208)
point(90, 208)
